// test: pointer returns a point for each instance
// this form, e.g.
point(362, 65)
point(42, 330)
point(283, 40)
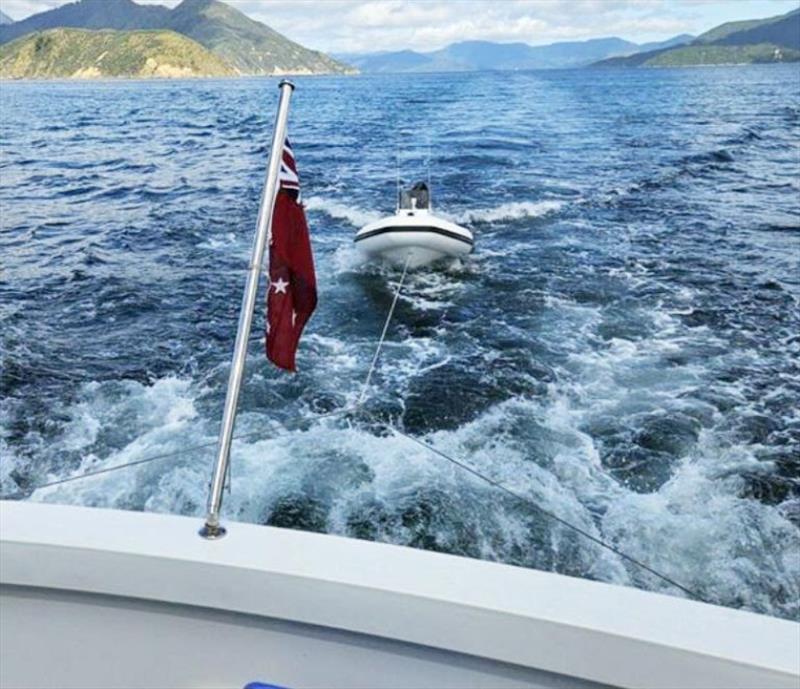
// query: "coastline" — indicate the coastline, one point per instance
point(353, 73)
point(166, 78)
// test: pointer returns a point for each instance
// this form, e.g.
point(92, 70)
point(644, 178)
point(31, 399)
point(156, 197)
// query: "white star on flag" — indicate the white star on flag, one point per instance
point(280, 286)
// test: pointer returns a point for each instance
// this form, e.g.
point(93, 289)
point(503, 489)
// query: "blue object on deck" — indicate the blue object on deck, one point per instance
point(262, 685)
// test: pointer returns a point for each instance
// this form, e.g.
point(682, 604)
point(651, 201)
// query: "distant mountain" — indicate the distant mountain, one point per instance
point(486, 55)
point(480, 55)
point(82, 54)
point(483, 55)
point(386, 61)
point(681, 39)
point(782, 31)
point(250, 47)
point(775, 39)
point(90, 14)
point(5, 19)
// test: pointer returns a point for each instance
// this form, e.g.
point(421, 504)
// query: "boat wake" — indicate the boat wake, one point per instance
point(357, 217)
point(625, 359)
point(340, 477)
point(514, 210)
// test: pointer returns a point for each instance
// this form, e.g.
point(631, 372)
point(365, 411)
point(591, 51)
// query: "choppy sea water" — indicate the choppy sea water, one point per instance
point(622, 348)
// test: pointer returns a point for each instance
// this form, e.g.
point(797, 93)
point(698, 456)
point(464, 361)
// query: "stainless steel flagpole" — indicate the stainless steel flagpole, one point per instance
point(212, 528)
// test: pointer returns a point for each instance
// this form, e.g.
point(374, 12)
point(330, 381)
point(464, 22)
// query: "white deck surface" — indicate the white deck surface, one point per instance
point(294, 608)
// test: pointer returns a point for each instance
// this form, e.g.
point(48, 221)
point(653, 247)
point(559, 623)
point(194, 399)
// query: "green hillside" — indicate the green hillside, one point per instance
point(249, 46)
point(729, 28)
point(77, 53)
point(723, 55)
point(775, 39)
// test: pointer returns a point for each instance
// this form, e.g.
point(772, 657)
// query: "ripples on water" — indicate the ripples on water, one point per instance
point(622, 347)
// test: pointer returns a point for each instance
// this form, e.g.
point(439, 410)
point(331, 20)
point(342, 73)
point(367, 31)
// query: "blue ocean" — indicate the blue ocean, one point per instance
point(622, 348)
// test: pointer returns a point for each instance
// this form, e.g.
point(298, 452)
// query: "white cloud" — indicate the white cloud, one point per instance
point(19, 9)
point(370, 25)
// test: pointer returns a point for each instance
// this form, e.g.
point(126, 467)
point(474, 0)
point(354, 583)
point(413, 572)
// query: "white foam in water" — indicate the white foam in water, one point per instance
point(694, 527)
point(336, 355)
point(357, 217)
point(347, 258)
point(161, 418)
point(514, 210)
point(697, 528)
point(411, 357)
point(221, 241)
point(431, 290)
point(10, 462)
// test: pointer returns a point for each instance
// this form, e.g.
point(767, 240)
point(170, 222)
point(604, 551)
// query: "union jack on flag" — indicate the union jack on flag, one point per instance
point(287, 177)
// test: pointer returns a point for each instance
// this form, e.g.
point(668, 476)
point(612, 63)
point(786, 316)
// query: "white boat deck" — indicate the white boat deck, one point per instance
point(101, 598)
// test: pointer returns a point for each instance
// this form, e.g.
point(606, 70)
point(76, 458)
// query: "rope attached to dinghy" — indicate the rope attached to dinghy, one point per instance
point(389, 316)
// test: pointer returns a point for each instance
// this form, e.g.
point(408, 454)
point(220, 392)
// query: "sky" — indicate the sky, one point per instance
point(352, 26)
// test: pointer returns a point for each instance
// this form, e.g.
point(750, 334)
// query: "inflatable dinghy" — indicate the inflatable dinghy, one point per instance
point(414, 233)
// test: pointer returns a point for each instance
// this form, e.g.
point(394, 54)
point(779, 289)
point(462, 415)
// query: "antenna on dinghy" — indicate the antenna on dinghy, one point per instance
point(430, 189)
point(397, 176)
point(212, 528)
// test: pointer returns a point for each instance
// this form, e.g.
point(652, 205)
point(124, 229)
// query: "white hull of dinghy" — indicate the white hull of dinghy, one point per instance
point(415, 236)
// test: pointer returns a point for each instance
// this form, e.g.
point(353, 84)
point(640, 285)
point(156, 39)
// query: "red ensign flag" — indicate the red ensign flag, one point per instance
point(292, 293)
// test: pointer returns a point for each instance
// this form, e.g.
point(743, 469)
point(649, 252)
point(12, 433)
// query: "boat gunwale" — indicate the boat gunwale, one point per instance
point(527, 617)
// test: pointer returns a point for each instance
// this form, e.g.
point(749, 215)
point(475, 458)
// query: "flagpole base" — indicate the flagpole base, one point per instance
point(212, 532)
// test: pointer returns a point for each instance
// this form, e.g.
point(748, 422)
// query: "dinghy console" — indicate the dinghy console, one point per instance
point(416, 198)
